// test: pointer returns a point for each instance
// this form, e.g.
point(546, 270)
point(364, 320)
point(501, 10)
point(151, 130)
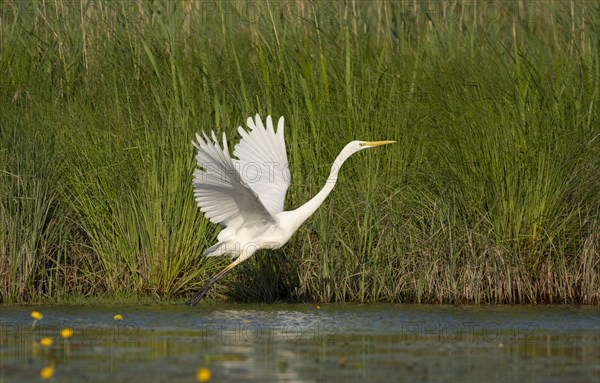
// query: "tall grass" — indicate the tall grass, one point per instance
point(492, 193)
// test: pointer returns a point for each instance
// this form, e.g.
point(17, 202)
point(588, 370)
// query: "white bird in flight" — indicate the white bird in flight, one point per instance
point(246, 195)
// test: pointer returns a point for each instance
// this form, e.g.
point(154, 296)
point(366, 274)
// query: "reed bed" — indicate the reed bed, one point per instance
point(491, 195)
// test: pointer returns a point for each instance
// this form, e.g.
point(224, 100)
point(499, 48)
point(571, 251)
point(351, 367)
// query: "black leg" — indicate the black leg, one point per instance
point(199, 295)
point(208, 285)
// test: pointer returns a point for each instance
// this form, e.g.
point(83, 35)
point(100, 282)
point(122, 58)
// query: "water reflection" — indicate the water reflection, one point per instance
point(300, 343)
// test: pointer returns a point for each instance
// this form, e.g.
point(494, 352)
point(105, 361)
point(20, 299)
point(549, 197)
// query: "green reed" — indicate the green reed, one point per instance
point(490, 195)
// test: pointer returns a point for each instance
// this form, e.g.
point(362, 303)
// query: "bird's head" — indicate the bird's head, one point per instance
point(356, 146)
point(372, 144)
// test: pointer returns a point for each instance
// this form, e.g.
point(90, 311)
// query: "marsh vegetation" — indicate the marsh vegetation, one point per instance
point(492, 193)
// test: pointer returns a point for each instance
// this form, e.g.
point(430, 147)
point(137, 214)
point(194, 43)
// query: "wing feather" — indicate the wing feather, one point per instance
point(220, 191)
point(263, 163)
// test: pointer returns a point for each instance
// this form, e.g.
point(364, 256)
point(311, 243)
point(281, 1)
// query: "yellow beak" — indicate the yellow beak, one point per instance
point(378, 143)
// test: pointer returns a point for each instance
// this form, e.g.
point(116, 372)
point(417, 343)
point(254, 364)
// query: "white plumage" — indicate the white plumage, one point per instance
point(246, 195)
point(263, 162)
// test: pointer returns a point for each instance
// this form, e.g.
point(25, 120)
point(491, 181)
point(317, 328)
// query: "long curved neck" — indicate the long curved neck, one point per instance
point(303, 212)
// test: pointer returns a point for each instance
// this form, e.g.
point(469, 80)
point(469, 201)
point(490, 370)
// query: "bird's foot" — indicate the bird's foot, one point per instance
point(197, 297)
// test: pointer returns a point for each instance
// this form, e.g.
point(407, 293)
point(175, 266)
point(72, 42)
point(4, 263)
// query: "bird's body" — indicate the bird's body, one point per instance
point(246, 195)
point(246, 240)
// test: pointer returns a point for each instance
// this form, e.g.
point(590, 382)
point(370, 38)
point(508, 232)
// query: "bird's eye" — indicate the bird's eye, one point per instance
point(361, 144)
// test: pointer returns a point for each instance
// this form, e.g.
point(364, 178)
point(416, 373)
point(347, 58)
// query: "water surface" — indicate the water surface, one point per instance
point(304, 343)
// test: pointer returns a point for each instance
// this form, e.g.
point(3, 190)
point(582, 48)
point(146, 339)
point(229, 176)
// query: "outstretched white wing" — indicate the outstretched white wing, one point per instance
point(221, 193)
point(263, 162)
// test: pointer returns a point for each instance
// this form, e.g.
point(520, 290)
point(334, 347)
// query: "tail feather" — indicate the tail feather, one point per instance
point(215, 250)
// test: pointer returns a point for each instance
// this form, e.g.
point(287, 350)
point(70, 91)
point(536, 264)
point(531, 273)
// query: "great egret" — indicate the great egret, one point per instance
point(246, 195)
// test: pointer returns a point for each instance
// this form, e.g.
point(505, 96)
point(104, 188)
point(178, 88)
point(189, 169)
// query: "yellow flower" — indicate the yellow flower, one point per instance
point(47, 372)
point(46, 342)
point(118, 317)
point(36, 315)
point(318, 307)
point(66, 332)
point(203, 374)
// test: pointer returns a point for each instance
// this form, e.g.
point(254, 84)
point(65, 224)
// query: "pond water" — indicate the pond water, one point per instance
point(303, 343)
